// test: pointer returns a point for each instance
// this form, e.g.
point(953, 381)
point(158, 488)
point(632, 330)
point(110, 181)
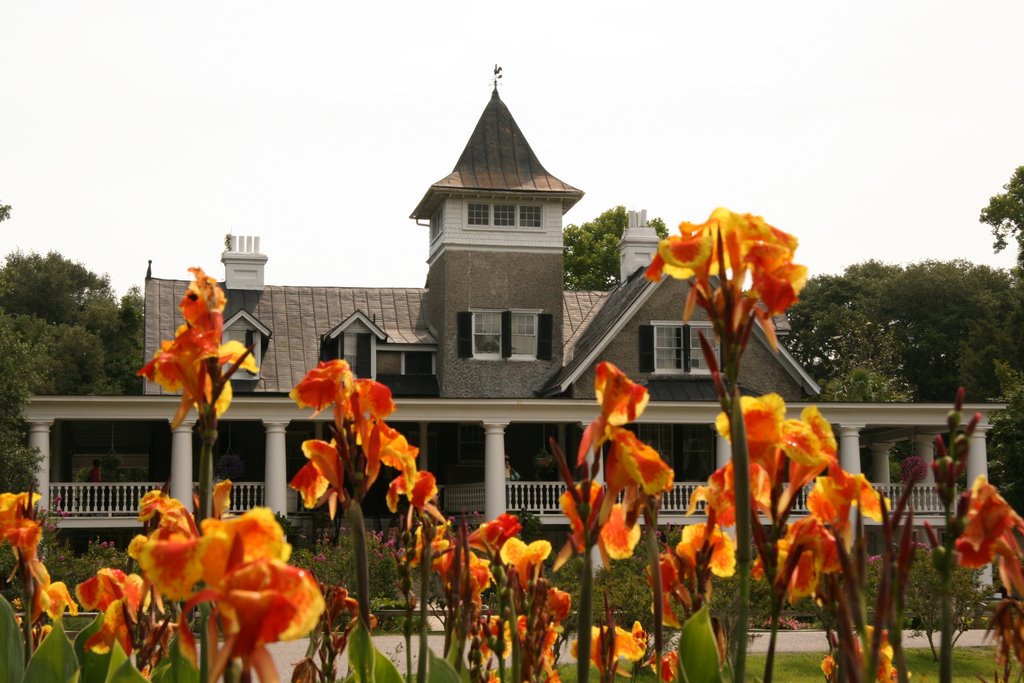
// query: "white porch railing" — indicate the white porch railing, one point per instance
point(541, 498)
point(121, 499)
point(464, 499)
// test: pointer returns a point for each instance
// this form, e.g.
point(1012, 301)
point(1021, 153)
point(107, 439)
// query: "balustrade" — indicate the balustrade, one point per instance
point(121, 499)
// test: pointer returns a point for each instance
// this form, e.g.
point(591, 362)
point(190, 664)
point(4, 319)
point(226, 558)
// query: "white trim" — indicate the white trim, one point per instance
point(550, 410)
point(485, 356)
point(361, 317)
point(454, 245)
point(250, 319)
point(399, 346)
point(433, 360)
point(620, 323)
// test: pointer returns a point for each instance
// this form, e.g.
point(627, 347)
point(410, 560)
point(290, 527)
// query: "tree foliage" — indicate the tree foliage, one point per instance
point(592, 250)
point(1005, 213)
point(1006, 440)
point(889, 332)
point(82, 338)
point(18, 464)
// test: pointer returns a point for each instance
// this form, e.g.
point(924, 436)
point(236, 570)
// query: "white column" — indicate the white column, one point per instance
point(977, 457)
point(275, 495)
point(39, 438)
point(723, 450)
point(494, 469)
point(849, 448)
point(924, 448)
point(181, 463)
point(880, 462)
point(422, 460)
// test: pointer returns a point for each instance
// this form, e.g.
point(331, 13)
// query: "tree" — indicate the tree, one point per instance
point(18, 464)
point(592, 250)
point(926, 328)
point(84, 340)
point(1005, 213)
point(1006, 440)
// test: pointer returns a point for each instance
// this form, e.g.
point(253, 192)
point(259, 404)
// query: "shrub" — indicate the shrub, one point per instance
point(335, 564)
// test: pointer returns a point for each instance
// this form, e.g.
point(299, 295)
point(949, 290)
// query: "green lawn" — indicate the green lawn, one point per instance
point(805, 667)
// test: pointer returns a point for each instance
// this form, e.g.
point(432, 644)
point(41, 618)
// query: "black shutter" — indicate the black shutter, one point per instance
point(686, 348)
point(250, 336)
point(506, 334)
point(646, 348)
point(363, 366)
point(464, 326)
point(544, 328)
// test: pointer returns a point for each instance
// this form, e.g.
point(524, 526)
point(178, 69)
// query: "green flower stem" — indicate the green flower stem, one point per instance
point(653, 556)
point(354, 514)
point(586, 611)
point(428, 545)
point(208, 427)
point(27, 590)
point(769, 660)
point(204, 643)
point(741, 483)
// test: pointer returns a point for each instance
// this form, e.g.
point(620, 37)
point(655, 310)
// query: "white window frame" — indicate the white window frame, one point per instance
point(433, 361)
point(517, 216)
point(696, 355)
point(486, 355)
point(532, 355)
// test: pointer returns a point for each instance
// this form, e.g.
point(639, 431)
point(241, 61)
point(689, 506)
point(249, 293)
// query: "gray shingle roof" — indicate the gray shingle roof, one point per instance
point(578, 310)
point(297, 318)
point(497, 158)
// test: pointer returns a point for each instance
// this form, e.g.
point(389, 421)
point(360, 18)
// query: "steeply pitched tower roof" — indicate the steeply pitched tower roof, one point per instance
point(497, 158)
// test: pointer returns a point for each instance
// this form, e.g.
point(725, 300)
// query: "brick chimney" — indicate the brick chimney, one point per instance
point(243, 263)
point(638, 245)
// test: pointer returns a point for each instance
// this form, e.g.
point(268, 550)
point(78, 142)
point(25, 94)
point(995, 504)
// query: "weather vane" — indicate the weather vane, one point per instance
point(497, 76)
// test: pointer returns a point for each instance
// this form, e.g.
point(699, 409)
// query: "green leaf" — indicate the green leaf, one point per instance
point(12, 655)
point(698, 652)
point(175, 667)
point(361, 654)
point(440, 670)
point(54, 660)
point(384, 670)
point(94, 666)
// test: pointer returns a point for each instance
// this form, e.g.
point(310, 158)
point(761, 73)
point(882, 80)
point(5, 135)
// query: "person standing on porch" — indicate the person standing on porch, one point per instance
point(95, 474)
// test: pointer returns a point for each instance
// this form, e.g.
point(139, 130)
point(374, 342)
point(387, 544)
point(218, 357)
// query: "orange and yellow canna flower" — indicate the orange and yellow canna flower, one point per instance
point(720, 493)
point(624, 647)
point(180, 365)
point(834, 496)
point(617, 539)
point(991, 531)
point(621, 401)
point(329, 383)
point(720, 544)
point(49, 598)
point(229, 544)
point(259, 603)
point(578, 525)
point(749, 246)
point(526, 559)
point(490, 536)
point(669, 666)
point(808, 550)
point(115, 594)
point(424, 490)
point(17, 524)
point(631, 462)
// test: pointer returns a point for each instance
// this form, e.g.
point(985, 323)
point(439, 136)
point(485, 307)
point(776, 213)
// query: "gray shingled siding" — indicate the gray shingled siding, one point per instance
point(494, 280)
point(761, 371)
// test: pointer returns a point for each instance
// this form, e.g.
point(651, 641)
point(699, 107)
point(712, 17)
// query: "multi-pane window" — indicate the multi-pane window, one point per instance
point(529, 216)
point(697, 360)
point(671, 348)
point(436, 224)
point(479, 214)
point(524, 334)
point(668, 347)
point(505, 214)
point(486, 333)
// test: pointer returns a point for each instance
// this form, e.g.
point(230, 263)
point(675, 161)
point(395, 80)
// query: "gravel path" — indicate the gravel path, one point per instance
point(287, 654)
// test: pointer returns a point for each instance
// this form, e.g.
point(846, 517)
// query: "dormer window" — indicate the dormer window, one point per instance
point(673, 348)
point(355, 340)
point(503, 215)
point(246, 329)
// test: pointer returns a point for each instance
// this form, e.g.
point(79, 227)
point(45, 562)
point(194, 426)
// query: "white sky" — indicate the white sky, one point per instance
point(140, 130)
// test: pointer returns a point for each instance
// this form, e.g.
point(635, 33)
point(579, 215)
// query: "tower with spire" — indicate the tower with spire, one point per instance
point(495, 263)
